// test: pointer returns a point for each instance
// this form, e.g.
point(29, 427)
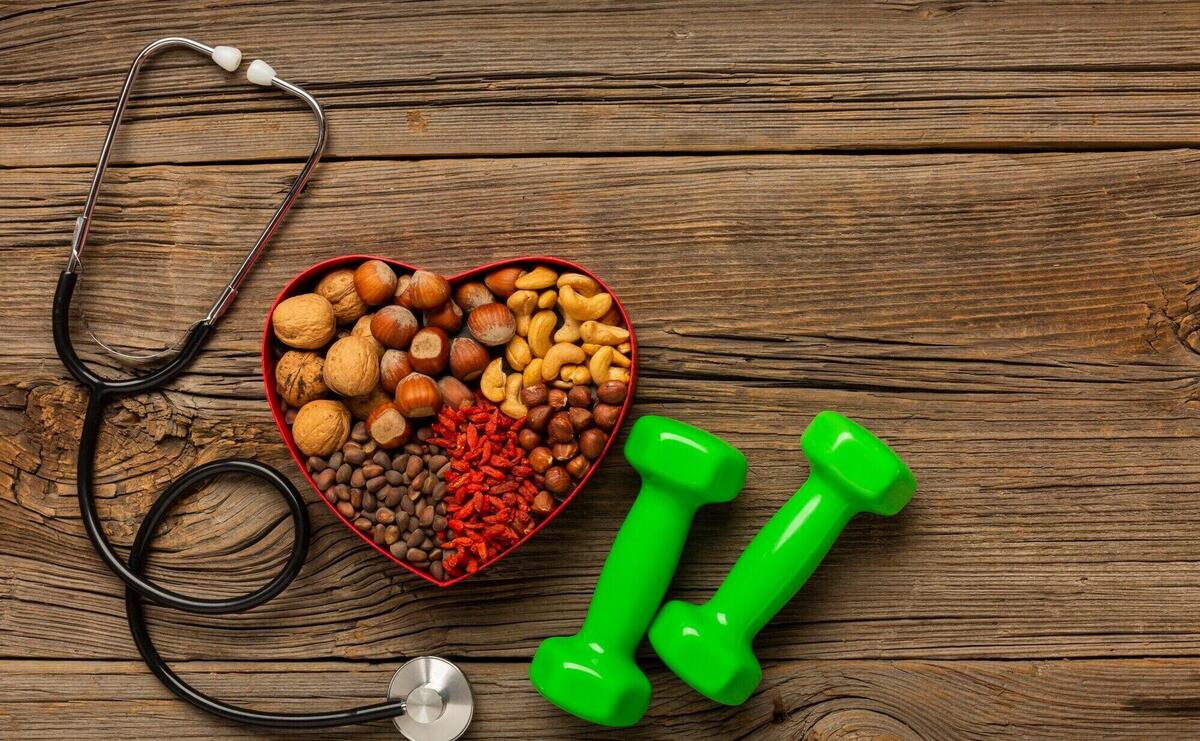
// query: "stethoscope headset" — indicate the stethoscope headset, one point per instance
point(429, 698)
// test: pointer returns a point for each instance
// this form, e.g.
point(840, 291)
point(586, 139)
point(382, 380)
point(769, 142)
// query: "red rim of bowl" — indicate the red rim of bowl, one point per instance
point(305, 279)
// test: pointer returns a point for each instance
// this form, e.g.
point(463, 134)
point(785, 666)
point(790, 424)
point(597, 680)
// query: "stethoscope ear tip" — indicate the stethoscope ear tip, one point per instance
point(228, 58)
point(260, 73)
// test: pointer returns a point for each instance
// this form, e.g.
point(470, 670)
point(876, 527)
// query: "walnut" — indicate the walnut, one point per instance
point(321, 427)
point(338, 288)
point(298, 377)
point(305, 321)
point(362, 406)
point(362, 328)
point(351, 367)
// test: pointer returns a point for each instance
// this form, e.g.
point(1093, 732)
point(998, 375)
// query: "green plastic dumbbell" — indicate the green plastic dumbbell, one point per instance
point(709, 645)
point(592, 674)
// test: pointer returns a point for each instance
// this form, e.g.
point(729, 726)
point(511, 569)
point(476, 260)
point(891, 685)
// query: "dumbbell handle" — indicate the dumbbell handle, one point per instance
point(784, 553)
point(632, 584)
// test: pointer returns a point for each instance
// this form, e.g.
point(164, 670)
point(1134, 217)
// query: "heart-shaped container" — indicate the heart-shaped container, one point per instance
point(307, 279)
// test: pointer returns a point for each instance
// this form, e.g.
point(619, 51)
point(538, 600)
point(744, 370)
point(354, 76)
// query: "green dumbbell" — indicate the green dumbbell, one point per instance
point(592, 674)
point(709, 645)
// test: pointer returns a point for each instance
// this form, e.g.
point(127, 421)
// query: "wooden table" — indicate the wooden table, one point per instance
point(971, 226)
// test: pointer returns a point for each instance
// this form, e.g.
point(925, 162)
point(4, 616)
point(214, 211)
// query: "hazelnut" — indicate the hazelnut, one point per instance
point(388, 427)
point(612, 392)
point(394, 327)
point(472, 295)
point(543, 504)
point(538, 417)
point(540, 459)
point(454, 392)
point(448, 317)
point(580, 396)
point(560, 429)
point(321, 427)
point(402, 296)
point(362, 328)
point(535, 395)
point(580, 417)
point(556, 398)
point(338, 289)
point(429, 351)
point(591, 442)
point(578, 466)
point(503, 282)
point(468, 358)
point(428, 290)
point(375, 282)
point(605, 416)
point(298, 377)
point(564, 451)
point(418, 396)
point(362, 406)
point(393, 367)
point(306, 321)
point(351, 367)
point(558, 480)
point(528, 439)
point(492, 324)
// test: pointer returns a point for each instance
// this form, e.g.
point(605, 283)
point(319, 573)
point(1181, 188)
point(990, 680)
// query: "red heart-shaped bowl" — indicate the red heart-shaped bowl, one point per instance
point(304, 282)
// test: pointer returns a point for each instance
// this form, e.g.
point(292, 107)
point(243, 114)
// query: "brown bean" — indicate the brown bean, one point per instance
point(377, 534)
point(375, 484)
point(414, 448)
point(430, 483)
point(424, 433)
point(372, 470)
point(612, 392)
point(400, 462)
point(402, 519)
point(355, 456)
point(342, 492)
point(580, 396)
point(358, 478)
point(538, 417)
point(439, 492)
point(440, 508)
point(369, 502)
point(605, 416)
point(425, 516)
point(385, 515)
point(528, 439)
point(564, 451)
point(395, 478)
point(316, 463)
point(437, 571)
point(325, 479)
point(362, 524)
point(343, 473)
point(399, 549)
point(591, 442)
point(439, 523)
point(382, 459)
point(335, 460)
point(370, 447)
point(581, 419)
point(416, 555)
point(543, 504)
point(345, 509)
point(390, 495)
point(391, 534)
point(358, 433)
point(415, 538)
point(414, 466)
point(578, 466)
point(437, 461)
point(407, 504)
point(356, 496)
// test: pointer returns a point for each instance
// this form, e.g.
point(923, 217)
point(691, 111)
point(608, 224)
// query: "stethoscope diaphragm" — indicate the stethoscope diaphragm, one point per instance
point(438, 703)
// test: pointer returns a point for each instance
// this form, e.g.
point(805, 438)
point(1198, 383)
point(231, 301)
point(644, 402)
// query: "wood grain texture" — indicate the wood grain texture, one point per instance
point(1021, 326)
point(454, 79)
point(804, 699)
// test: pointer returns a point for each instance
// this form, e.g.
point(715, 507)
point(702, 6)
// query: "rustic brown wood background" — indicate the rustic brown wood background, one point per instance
point(971, 225)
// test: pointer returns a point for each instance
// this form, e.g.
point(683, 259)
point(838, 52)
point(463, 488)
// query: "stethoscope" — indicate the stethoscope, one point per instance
point(429, 698)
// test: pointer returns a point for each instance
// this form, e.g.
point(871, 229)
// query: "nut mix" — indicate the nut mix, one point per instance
point(444, 422)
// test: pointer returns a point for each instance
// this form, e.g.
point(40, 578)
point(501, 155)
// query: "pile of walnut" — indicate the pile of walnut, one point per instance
point(367, 344)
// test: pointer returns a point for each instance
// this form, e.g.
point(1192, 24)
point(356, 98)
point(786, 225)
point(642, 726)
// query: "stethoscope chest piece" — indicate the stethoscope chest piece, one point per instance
point(437, 699)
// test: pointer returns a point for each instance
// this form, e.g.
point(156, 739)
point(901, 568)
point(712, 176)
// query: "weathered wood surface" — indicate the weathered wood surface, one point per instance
point(1021, 326)
point(454, 79)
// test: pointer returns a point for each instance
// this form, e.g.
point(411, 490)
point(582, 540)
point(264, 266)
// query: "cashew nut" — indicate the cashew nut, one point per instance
point(582, 284)
point(581, 307)
point(569, 331)
point(517, 353)
point(599, 364)
point(612, 316)
point(540, 328)
point(533, 373)
point(513, 406)
point(619, 374)
point(579, 375)
point(547, 299)
point(491, 383)
point(625, 347)
point(602, 334)
point(620, 359)
point(556, 356)
point(537, 279)
point(521, 304)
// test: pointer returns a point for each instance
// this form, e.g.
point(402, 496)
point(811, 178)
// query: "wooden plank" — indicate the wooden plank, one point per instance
point(802, 699)
point(452, 79)
point(1019, 326)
